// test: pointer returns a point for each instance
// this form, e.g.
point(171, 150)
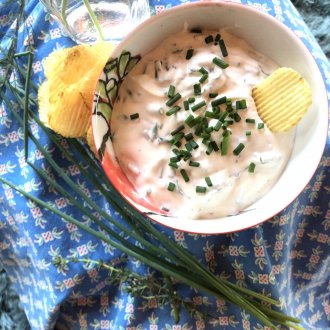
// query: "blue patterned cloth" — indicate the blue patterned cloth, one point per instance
point(287, 257)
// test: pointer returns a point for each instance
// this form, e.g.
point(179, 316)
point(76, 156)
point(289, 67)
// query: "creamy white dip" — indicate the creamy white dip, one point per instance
point(141, 144)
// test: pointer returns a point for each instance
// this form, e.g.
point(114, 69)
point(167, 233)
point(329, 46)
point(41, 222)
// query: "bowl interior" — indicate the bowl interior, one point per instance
point(269, 37)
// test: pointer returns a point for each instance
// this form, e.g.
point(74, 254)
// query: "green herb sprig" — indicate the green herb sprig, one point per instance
point(171, 260)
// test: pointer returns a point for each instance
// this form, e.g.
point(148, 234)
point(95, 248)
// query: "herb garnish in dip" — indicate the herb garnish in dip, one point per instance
point(185, 129)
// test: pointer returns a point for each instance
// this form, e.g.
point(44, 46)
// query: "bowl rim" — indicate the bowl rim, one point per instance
point(248, 8)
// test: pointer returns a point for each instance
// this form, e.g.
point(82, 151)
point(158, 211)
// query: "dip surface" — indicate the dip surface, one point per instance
point(141, 143)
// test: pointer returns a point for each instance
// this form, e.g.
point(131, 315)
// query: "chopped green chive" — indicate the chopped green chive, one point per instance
point(203, 78)
point(134, 116)
point(220, 63)
point(238, 149)
point(219, 101)
point(196, 30)
point(217, 126)
point(228, 122)
point(173, 164)
point(175, 159)
point(208, 181)
point(189, 54)
point(203, 71)
point(209, 149)
point(198, 106)
point(214, 145)
point(184, 175)
point(176, 140)
point(209, 129)
point(186, 105)
point(206, 141)
point(172, 100)
point(209, 39)
point(213, 95)
point(241, 104)
point(236, 117)
point(188, 146)
point(223, 116)
point(189, 119)
point(173, 110)
point(188, 136)
point(223, 48)
point(250, 121)
point(217, 37)
point(186, 155)
point(177, 130)
point(248, 133)
point(199, 130)
point(191, 99)
point(216, 109)
point(224, 145)
point(211, 114)
point(193, 144)
point(197, 89)
point(171, 186)
point(260, 125)
point(251, 167)
point(200, 189)
point(171, 91)
point(194, 164)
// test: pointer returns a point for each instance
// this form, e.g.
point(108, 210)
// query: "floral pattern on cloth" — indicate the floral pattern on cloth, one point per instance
point(286, 257)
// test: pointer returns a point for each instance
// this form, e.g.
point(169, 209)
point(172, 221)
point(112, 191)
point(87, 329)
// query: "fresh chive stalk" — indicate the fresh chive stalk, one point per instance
point(167, 257)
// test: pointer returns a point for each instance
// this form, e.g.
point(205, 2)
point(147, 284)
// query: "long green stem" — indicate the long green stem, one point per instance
point(94, 19)
point(197, 280)
point(64, 5)
point(26, 103)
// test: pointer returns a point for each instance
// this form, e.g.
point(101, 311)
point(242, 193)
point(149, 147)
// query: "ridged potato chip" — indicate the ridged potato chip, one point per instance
point(90, 139)
point(282, 99)
point(65, 98)
point(43, 102)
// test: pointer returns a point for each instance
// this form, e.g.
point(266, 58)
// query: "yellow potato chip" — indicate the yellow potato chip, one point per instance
point(66, 98)
point(43, 102)
point(90, 139)
point(64, 109)
point(71, 64)
point(282, 99)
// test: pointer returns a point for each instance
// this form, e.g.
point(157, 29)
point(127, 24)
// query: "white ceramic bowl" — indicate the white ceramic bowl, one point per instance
point(267, 36)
